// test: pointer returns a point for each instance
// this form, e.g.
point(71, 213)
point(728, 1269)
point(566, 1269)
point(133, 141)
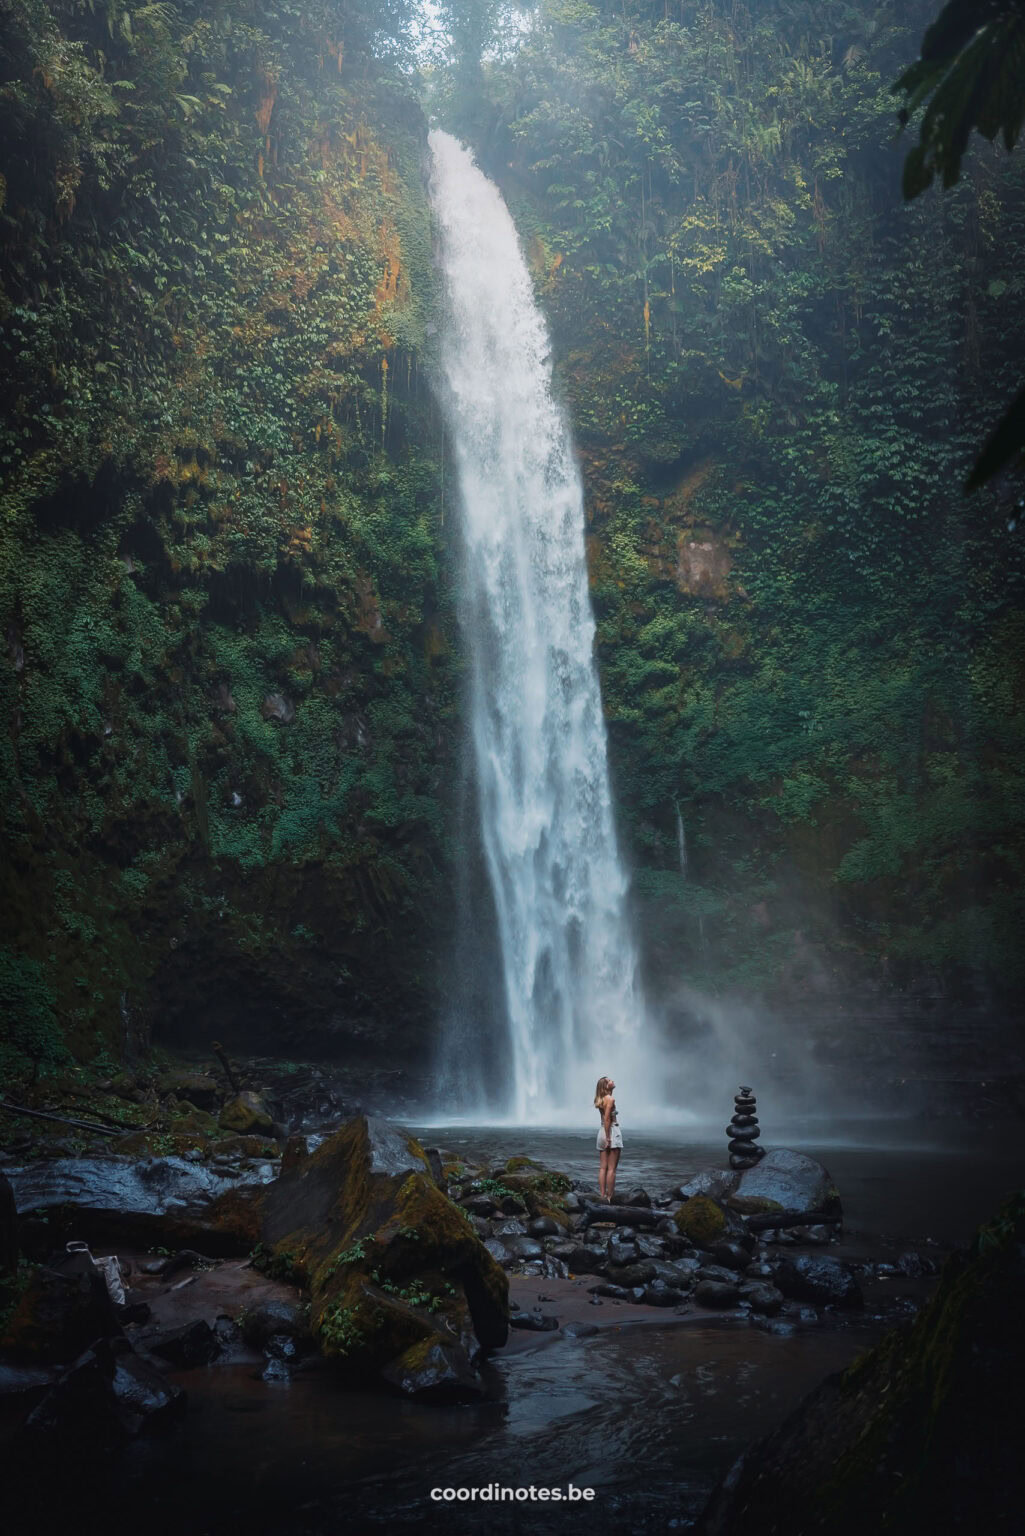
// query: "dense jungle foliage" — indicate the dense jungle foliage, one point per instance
point(779, 373)
point(232, 673)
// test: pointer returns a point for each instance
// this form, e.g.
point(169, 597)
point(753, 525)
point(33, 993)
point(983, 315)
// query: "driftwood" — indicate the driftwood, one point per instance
point(768, 1221)
point(79, 1125)
point(624, 1215)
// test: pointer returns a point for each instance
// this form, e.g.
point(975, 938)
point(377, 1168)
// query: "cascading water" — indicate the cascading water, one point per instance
point(571, 993)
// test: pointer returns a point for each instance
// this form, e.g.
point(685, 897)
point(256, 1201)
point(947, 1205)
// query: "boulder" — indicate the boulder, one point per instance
point(631, 1275)
point(246, 1114)
point(762, 1298)
point(109, 1393)
point(186, 1347)
point(731, 1255)
point(395, 1268)
point(58, 1315)
point(716, 1183)
point(810, 1278)
point(524, 1247)
point(791, 1181)
point(498, 1251)
point(579, 1258)
point(140, 1202)
point(433, 1371)
point(658, 1294)
point(716, 1293)
point(270, 1319)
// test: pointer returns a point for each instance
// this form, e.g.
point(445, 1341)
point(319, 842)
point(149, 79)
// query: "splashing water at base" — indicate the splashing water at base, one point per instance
point(572, 998)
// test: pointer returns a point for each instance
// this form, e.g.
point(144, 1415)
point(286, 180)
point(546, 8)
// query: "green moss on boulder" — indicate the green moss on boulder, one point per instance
point(702, 1220)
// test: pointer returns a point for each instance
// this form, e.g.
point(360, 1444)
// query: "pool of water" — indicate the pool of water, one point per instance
point(649, 1417)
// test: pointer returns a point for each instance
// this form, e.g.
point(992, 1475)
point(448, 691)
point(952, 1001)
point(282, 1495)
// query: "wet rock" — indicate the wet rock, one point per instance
point(716, 1293)
point(433, 1371)
point(270, 1318)
point(479, 1205)
point(762, 1297)
point(730, 1255)
point(914, 1265)
point(632, 1274)
point(716, 1183)
point(611, 1290)
point(481, 1226)
point(363, 1213)
point(281, 1346)
point(246, 1114)
point(619, 1252)
point(579, 1330)
point(637, 1197)
point(808, 1277)
point(706, 1223)
point(650, 1247)
point(658, 1294)
point(792, 1181)
point(535, 1322)
point(579, 1258)
point(498, 1251)
point(760, 1270)
point(573, 1204)
point(508, 1226)
point(186, 1347)
point(554, 1269)
point(58, 1315)
point(140, 1202)
point(525, 1248)
point(719, 1274)
point(513, 1205)
point(108, 1393)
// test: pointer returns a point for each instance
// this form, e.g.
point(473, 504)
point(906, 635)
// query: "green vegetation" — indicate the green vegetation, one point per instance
point(232, 673)
point(779, 373)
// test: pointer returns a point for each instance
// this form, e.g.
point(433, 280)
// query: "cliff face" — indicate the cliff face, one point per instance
point(228, 681)
point(231, 675)
point(812, 644)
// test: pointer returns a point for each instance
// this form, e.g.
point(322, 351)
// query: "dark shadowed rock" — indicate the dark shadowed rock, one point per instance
point(269, 1318)
point(762, 1297)
point(916, 1435)
point(731, 1255)
point(186, 1347)
point(433, 1372)
point(109, 1393)
point(808, 1277)
point(58, 1315)
point(658, 1294)
point(632, 1274)
point(8, 1228)
point(716, 1293)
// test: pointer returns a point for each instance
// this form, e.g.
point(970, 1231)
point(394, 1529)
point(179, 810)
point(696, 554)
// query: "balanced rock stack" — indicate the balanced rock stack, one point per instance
point(743, 1131)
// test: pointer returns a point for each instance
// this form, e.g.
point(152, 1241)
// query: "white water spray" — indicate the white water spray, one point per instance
point(572, 997)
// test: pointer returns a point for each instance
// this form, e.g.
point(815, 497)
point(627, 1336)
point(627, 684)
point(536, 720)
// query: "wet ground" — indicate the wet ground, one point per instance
point(648, 1413)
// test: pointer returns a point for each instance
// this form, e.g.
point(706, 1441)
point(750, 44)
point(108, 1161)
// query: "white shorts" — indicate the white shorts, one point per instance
point(615, 1143)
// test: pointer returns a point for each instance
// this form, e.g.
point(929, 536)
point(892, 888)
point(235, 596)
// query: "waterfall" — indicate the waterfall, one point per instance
point(572, 1000)
point(681, 841)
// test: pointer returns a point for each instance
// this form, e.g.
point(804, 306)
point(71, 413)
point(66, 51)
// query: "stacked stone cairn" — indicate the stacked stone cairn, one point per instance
point(743, 1131)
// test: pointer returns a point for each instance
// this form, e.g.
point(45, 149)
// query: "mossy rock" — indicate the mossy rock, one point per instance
point(752, 1205)
point(246, 1114)
point(195, 1121)
point(701, 1220)
point(393, 1263)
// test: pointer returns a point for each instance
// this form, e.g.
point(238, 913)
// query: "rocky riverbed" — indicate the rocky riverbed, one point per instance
point(455, 1309)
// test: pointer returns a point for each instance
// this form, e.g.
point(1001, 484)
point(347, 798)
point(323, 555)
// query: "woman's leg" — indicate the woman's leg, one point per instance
point(610, 1172)
point(603, 1171)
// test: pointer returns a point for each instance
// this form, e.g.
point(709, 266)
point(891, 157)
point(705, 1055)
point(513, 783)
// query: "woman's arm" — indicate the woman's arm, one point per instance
point(606, 1116)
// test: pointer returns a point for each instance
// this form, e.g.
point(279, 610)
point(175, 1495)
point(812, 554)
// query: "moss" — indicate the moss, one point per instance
point(702, 1220)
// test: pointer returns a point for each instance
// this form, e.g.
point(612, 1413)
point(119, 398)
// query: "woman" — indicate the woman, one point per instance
point(610, 1138)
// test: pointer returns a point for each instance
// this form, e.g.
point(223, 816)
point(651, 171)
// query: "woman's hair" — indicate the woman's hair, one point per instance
point(603, 1089)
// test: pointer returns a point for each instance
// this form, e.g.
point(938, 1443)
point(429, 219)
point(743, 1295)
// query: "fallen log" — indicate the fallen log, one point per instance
point(79, 1125)
point(623, 1215)
point(768, 1221)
